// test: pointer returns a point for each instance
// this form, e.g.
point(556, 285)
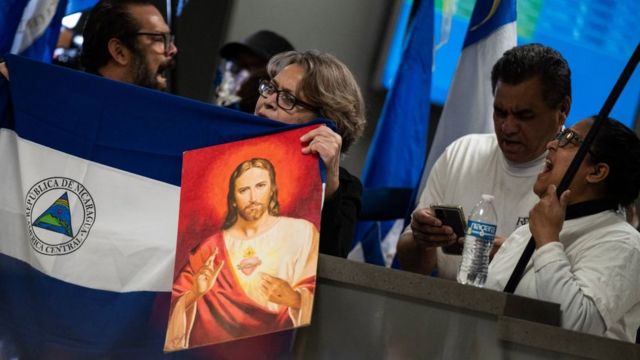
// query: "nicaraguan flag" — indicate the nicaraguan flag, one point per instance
point(90, 172)
point(31, 27)
point(398, 148)
point(469, 105)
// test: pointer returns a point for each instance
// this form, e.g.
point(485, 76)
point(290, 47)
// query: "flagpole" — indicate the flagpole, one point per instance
point(518, 271)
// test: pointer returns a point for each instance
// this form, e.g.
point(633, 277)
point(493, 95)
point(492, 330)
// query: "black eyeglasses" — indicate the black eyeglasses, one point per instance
point(567, 136)
point(284, 99)
point(167, 38)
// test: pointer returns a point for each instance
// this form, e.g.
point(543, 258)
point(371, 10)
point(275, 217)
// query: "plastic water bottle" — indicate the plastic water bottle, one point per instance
point(481, 230)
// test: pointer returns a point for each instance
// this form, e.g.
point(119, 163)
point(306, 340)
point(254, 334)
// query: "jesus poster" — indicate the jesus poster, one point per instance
point(248, 237)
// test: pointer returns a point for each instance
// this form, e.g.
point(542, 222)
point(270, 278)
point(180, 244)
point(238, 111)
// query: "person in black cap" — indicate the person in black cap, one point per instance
point(245, 63)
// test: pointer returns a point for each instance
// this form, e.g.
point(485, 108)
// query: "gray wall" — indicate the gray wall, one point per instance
point(351, 30)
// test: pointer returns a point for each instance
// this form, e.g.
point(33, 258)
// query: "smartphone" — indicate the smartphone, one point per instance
point(453, 216)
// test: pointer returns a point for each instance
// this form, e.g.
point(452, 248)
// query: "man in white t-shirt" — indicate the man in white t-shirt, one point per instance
point(532, 98)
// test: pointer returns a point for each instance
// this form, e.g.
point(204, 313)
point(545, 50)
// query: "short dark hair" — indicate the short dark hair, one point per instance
point(107, 20)
point(525, 62)
point(232, 211)
point(619, 147)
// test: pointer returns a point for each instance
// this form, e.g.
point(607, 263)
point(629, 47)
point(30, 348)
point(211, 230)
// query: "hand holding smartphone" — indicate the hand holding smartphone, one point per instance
point(453, 216)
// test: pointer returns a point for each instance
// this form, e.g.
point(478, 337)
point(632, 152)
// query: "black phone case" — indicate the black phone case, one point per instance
point(452, 217)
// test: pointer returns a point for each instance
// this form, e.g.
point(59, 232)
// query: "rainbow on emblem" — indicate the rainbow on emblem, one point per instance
point(57, 217)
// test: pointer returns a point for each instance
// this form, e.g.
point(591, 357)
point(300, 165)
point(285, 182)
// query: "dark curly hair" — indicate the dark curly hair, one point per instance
point(525, 62)
point(107, 20)
point(619, 147)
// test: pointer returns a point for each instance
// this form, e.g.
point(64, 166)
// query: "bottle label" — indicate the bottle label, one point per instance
point(481, 230)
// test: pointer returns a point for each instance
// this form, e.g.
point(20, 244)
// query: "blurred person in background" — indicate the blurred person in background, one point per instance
point(69, 46)
point(244, 64)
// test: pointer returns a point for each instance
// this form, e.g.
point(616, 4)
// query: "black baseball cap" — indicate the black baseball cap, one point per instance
point(264, 44)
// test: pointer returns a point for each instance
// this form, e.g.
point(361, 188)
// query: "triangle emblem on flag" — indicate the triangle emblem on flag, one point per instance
point(57, 217)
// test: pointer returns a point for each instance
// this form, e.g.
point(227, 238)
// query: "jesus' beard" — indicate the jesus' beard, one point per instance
point(253, 211)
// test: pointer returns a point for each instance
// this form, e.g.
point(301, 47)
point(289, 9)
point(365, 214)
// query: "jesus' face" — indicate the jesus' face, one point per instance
point(252, 193)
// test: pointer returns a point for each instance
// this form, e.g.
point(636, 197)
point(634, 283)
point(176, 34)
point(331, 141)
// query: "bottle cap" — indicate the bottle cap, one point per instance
point(487, 197)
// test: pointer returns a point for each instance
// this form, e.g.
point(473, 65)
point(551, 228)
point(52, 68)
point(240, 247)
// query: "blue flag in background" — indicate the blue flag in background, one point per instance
point(397, 151)
point(469, 105)
point(31, 27)
point(116, 150)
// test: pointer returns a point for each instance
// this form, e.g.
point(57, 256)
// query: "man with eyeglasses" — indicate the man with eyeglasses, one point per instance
point(532, 98)
point(129, 41)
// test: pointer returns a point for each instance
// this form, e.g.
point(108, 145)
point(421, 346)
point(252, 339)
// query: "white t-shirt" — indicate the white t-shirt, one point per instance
point(593, 273)
point(474, 165)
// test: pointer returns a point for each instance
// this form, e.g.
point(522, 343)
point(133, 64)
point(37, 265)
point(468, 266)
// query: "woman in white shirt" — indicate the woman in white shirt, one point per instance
point(587, 257)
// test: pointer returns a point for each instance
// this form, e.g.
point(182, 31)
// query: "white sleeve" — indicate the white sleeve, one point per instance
point(556, 283)
point(596, 291)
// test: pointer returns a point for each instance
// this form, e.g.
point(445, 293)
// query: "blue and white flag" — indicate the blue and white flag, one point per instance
point(469, 105)
point(398, 148)
point(31, 27)
point(90, 171)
